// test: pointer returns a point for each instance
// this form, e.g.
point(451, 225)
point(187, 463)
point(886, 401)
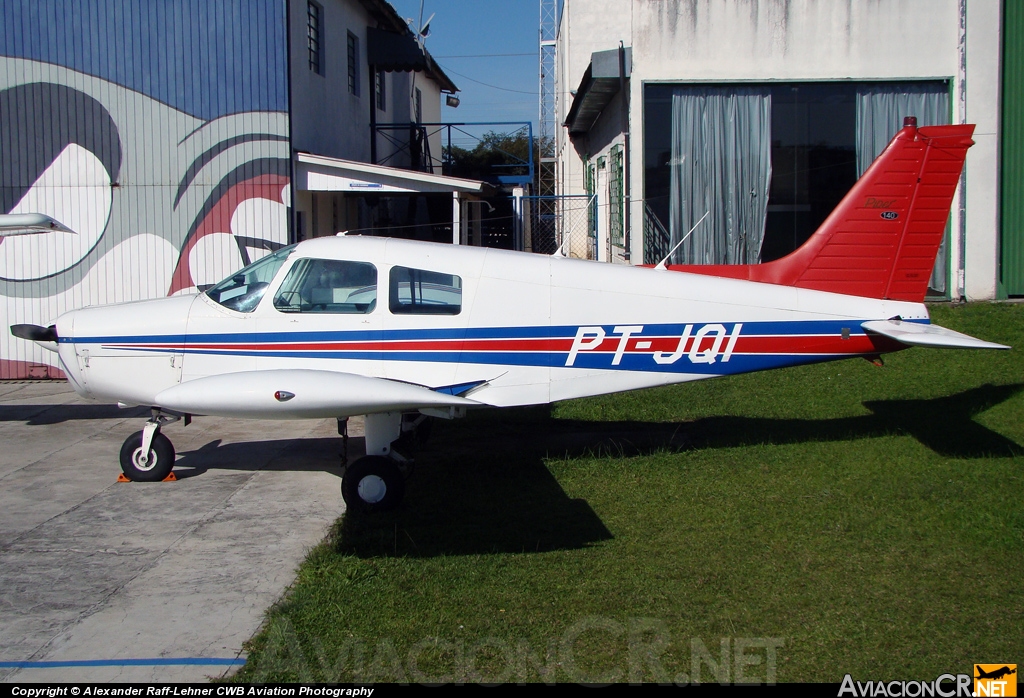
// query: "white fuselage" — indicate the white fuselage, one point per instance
point(531, 329)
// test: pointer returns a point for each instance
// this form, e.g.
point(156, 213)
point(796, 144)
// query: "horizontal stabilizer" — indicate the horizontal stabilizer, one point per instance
point(916, 334)
point(300, 394)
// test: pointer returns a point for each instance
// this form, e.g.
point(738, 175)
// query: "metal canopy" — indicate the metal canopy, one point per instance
point(321, 173)
point(599, 85)
point(394, 51)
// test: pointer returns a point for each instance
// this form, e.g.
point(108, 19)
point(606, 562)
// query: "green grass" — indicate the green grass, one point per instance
point(857, 519)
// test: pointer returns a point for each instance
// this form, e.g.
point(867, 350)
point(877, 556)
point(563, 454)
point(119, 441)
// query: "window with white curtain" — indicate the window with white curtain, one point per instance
point(769, 162)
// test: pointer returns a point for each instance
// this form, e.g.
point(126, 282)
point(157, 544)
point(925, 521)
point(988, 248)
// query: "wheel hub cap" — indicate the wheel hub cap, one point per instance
point(372, 489)
point(143, 463)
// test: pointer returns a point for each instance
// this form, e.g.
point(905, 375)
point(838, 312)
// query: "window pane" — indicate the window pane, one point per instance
point(313, 36)
point(419, 292)
point(353, 64)
point(814, 161)
point(328, 286)
point(243, 290)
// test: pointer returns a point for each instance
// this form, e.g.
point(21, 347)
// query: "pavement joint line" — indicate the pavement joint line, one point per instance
point(9, 546)
point(152, 661)
point(54, 453)
point(102, 603)
point(58, 633)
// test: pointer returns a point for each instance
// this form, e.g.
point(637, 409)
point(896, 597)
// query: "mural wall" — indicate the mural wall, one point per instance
point(158, 132)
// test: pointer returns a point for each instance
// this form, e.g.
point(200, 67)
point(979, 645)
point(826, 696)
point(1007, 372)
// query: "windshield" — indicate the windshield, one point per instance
point(243, 290)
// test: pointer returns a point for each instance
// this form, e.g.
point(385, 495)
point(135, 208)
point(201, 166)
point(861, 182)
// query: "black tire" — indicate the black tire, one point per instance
point(161, 458)
point(372, 483)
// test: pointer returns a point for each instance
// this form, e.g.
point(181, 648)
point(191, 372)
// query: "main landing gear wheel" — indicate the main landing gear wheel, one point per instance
point(372, 483)
point(155, 466)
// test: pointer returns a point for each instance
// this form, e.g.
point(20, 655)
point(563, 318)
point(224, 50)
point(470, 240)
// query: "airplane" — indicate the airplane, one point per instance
point(995, 673)
point(398, 330)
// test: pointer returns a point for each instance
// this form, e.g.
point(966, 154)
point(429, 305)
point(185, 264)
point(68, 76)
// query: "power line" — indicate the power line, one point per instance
point(487, 55)
point(485, 84)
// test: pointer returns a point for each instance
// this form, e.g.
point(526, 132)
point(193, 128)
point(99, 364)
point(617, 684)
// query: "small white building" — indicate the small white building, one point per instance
point(764, 113)
point(363, 96)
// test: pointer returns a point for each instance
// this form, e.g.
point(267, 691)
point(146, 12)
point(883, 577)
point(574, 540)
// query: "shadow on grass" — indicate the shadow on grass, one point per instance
point(480, 487)
point(945, 425)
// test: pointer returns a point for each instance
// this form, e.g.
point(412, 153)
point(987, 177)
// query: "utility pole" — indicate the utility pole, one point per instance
point(547, 171)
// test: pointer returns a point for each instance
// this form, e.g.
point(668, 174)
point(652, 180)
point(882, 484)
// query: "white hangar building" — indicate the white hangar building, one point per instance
point(763, 113)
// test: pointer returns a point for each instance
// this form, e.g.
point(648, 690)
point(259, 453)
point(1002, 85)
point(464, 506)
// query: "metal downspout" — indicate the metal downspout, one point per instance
point(625, 154)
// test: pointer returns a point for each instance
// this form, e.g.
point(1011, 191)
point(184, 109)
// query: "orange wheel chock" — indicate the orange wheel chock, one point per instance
point(171, 477)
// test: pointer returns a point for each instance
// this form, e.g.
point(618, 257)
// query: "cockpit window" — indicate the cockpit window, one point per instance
point(328, 286)
point(243, 290)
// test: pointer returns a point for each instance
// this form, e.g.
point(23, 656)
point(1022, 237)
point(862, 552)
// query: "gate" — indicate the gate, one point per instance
point(568, 223)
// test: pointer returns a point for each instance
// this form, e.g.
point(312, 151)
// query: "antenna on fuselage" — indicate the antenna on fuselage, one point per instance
point(662, 264)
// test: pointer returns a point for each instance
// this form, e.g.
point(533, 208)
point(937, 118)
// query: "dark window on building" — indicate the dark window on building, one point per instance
point(314, 36)
point(380, 90)
point(419, 106)
point(353, 64)
point(615, 197)
point(816, 155)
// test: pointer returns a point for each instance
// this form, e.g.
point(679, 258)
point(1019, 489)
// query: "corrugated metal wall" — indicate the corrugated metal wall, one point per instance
point(157, 131)
point(1011, 269)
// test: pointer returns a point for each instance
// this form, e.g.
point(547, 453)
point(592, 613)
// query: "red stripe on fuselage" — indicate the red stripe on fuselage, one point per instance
point(757, 344)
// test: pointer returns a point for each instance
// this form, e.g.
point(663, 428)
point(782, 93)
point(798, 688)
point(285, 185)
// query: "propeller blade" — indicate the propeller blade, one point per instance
point(35, 333)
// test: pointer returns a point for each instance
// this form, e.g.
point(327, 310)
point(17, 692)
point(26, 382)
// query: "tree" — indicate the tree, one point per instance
point(494, 154)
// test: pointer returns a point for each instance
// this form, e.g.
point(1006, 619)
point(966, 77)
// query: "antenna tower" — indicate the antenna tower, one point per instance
point(546, 173)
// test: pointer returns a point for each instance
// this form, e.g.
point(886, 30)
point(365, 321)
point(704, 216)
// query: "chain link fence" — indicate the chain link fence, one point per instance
point(565, 222)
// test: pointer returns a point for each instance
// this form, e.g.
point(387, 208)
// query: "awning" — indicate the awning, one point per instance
point(599, 85)
point(394, 51)
point(321, 173)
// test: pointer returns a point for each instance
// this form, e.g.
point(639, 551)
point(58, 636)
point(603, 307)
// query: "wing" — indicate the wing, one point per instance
point(917, 334)
point(300, 394)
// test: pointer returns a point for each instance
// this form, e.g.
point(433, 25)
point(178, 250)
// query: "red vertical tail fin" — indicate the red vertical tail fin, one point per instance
point(882, 238)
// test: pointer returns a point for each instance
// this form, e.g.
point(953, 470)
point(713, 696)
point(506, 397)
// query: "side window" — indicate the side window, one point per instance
point(419, 292)
point(328, 286)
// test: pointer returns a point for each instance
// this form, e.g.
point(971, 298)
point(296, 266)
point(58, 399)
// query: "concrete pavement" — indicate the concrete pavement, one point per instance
point(92, 569)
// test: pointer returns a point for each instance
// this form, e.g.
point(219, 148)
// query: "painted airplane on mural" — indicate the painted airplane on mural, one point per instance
point(387, 328)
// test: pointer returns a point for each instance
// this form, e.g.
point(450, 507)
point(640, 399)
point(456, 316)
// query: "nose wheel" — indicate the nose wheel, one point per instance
point(154, 466)
point(148, 455)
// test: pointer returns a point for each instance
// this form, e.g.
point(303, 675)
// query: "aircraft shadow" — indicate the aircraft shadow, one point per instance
point(481, 486)
point(296, 455)
point(945, 425)
point(39, 415)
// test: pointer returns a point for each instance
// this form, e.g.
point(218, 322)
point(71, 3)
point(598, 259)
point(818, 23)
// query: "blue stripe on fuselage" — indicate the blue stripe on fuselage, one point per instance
point(778, 328)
